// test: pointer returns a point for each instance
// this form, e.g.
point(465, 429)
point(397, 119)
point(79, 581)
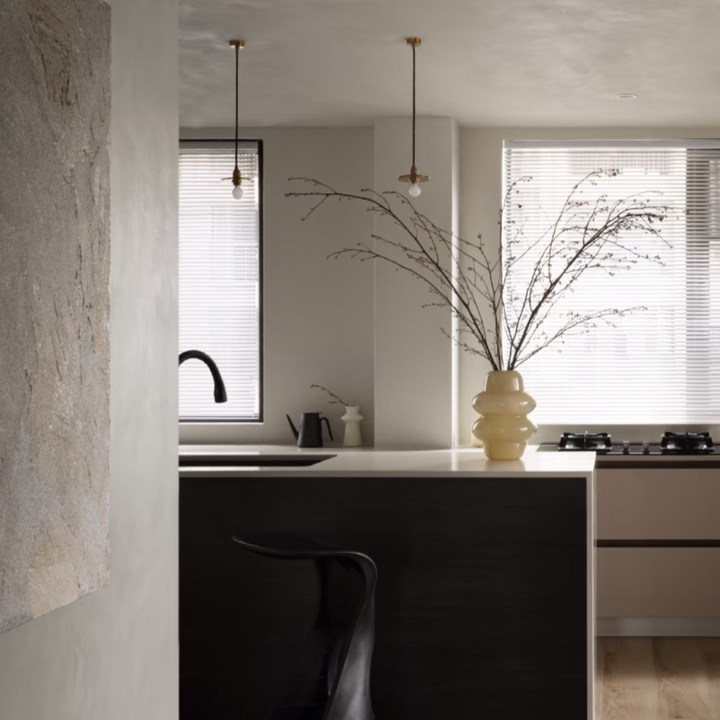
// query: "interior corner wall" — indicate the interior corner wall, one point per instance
point(113, 655)
point(413, 356)
point(318, 313)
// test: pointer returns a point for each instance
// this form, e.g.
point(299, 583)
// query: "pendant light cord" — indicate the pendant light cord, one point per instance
point(413, 122)
point(237, 82)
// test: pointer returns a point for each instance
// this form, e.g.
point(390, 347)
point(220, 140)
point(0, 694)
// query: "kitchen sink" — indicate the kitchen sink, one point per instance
point(251, 460)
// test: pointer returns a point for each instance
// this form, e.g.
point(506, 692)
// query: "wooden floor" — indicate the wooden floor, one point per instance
point(658, 679)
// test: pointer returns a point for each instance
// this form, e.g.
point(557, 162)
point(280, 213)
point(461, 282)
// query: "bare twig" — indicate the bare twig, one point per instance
point(336, 400)
point(507, 324)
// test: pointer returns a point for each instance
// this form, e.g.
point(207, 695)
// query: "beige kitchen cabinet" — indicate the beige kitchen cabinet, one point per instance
point(658, 504)
point(658, 582)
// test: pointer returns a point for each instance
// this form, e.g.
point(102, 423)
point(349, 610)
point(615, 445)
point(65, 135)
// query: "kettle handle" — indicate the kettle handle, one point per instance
point(295, 432)
point(329, 429)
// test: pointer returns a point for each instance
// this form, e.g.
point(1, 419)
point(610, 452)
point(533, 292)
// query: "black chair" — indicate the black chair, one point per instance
point(332, 678)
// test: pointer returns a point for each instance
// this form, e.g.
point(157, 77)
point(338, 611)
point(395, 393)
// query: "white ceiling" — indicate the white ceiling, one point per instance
point(531, 63)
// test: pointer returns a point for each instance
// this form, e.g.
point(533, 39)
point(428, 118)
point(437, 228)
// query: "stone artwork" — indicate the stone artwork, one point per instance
point(54, 304)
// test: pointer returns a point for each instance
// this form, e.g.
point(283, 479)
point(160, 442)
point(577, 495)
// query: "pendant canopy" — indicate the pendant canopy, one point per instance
point(414, 177)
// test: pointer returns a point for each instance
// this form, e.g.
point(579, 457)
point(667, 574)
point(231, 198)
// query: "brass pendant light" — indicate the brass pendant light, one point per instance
point(236, 176)
point(414, 178)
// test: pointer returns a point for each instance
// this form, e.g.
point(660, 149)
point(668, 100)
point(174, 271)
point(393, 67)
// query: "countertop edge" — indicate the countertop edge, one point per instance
point(365, 462)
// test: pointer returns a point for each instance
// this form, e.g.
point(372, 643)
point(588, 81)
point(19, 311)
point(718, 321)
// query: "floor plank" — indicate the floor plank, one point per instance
point(658, 679)
point(629, 683)
point(711, 648)
point(684, 684)
point(599, 676)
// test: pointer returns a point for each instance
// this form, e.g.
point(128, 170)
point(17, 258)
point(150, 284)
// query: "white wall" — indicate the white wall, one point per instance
point(413, 358)
point(480, 200)
point(318, 313)
point(319, 317)
point(114, 655)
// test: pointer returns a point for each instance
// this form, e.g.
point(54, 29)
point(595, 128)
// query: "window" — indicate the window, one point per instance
point(220, 281)
point(661, 365)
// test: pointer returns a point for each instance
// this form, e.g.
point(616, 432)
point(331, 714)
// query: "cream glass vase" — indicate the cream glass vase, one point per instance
point(504, 405)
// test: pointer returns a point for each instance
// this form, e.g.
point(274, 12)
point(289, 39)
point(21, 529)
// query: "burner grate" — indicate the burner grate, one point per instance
point(686, 443)
point(599, 442)
point(689, 443)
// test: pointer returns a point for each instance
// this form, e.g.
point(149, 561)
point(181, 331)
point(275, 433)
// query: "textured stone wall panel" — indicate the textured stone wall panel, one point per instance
point(54, 304)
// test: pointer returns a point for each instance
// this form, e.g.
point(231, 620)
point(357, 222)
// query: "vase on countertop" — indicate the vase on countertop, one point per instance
point(503, 425)
point(352, 419)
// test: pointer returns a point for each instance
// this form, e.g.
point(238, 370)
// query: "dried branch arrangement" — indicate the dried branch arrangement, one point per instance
point(506, 326)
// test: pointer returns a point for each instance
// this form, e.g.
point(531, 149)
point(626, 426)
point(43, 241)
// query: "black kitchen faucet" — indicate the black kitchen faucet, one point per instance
point(220, 394)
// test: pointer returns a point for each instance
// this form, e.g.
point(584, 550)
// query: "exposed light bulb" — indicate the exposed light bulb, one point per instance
point(237, 192)
point(414, 190)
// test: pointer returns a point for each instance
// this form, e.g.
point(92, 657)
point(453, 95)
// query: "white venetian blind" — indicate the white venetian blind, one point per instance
point(657, 366)
point(219, 291)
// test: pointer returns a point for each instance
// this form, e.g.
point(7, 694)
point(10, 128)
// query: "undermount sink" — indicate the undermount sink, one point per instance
point(251, 460)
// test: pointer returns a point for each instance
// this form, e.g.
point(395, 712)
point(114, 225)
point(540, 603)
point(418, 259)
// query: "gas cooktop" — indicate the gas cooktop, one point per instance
point(601, 443)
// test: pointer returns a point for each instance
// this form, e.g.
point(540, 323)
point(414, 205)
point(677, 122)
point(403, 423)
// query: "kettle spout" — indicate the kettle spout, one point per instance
point(293, 428)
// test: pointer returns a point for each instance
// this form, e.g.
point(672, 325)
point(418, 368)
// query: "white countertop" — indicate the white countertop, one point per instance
point(469, 462)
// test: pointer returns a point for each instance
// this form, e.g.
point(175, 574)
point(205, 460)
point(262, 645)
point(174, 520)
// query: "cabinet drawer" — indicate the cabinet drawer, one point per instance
point(658, 582)
point(663, 504)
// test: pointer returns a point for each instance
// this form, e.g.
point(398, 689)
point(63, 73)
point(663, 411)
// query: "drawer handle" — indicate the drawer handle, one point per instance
point(657, 543)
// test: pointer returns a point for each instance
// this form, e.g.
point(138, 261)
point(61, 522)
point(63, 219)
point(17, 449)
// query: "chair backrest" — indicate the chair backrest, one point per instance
point(332, 679)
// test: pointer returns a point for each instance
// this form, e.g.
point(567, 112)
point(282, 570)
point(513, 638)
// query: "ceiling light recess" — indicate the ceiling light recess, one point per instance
point(626, 96)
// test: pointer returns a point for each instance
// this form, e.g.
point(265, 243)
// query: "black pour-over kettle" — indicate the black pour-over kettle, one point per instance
point(310, 434)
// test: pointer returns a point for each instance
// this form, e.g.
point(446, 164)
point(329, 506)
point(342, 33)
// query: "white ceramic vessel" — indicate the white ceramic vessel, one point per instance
point(352, 419)
point(504, 427)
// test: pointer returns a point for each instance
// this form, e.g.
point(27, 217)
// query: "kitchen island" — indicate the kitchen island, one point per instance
point(485, 595)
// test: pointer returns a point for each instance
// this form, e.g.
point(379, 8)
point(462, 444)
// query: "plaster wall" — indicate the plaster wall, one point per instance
point(54, 304)
point(114, 654)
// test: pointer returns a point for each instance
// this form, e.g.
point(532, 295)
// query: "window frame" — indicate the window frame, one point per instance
point(221, 143)
point(689, 145)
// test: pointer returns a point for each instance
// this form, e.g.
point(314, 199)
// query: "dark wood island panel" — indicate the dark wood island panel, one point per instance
point(482, 600)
